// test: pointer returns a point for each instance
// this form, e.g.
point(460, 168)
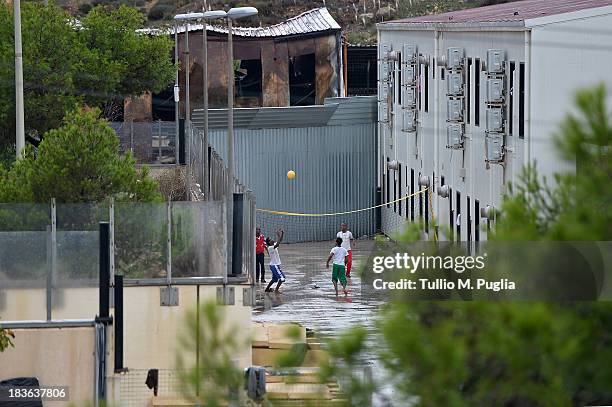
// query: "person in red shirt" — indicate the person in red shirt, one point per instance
point(260, 249)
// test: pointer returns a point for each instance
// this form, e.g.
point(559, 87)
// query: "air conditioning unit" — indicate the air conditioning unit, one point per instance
point(455, 110)
point(409, 120)
point(409, 98)
point(454, 136)
point(409, 53)
point(495, 120)
point(454, 58)
point(494, 145)
point(495, 61)
point(409, 75)
point(454, 84)
point(495, 90)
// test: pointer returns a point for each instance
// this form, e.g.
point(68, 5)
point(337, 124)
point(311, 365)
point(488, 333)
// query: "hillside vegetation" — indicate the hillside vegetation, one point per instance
point(358, 18)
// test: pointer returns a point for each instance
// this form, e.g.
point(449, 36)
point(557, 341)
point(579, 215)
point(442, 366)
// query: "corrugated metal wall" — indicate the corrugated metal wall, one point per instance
point(335, 166)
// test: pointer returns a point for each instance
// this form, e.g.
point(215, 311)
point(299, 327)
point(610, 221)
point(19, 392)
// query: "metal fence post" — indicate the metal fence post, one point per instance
point(132, 136)
point(169, 242)
point(52, 253)
point(111, 220)
point(159, 140)
point(49, 271)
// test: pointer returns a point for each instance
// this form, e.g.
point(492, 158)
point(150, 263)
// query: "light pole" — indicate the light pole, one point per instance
point(207, 15)
point(19, 120)
point(233, 14)
point(186, 18)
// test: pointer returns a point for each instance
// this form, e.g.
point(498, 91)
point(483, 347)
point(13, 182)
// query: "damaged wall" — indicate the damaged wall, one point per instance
point(275, 57)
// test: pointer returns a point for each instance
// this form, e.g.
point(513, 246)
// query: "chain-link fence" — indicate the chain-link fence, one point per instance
point(149, 142)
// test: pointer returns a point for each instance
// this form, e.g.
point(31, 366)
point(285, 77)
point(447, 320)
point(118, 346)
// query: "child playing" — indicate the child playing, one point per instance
point(275, 262)
point(340, 256)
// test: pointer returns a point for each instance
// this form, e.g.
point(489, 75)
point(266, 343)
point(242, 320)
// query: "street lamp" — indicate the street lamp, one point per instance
point(19, 120)
point(233, 14)
point(186, 18)
point(207, 16)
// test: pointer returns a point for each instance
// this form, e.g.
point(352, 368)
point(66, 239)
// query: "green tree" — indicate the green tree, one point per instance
point(99, 61)
point(78, 162)
point(210, 375)
point(6, 339)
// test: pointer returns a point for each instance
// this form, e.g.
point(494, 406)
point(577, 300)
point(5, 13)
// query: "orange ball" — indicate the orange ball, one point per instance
point(291, 174)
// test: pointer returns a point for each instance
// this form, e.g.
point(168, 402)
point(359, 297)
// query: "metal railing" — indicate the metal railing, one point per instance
point(212, 182)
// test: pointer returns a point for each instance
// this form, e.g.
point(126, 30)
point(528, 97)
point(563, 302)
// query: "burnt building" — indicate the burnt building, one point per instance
point(296, 62)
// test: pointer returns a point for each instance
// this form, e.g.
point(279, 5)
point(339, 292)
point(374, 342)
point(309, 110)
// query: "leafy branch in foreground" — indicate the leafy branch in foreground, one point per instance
point(519, 353)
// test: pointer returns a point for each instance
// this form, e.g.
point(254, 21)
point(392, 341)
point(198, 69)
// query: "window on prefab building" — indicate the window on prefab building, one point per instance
point(420, 91)
point(477, 92)
point(468, 207)
point(458, 218)
point(399, 78)
point(412, 192)
point(387, 189)
point(521, 112)
point(395, 191)
point(468, 90)
point(511, 99)
point(477, 220)
point(399, 186)
point(302, 87)
point(426, 88)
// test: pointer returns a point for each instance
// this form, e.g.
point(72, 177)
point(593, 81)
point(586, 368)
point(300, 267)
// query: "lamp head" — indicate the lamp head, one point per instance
point(236, 13)
point(214, 14)
point(188, 16)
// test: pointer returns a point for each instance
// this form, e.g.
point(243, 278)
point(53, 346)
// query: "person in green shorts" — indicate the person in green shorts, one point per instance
point(340, 257)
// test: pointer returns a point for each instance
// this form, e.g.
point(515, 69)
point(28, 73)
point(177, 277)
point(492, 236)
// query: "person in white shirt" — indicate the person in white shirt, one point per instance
point(339, 255)
point(275, 262)
point(347, 239)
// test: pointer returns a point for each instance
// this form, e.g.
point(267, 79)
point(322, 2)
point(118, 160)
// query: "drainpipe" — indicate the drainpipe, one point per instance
point(381, 148)
point(436, 118)
point(345, 68)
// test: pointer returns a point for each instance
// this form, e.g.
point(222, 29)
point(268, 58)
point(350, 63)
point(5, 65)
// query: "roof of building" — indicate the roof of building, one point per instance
point(513, 12)
point(312, 21)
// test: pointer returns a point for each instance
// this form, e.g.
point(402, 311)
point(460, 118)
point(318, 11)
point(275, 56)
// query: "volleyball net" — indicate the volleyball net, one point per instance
point(388, 217)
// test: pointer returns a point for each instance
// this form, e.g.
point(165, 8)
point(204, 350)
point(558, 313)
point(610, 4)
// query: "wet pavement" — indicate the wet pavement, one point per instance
point(308, 296)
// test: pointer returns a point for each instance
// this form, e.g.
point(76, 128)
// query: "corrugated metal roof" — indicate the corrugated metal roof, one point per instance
point(335, 112)
point(517, 11)
point(267, 117)
point(312, 21)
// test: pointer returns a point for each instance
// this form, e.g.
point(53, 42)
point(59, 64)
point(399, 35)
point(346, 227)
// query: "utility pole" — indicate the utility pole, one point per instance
point(204, 137)
point(19, 125)
point(230, 147)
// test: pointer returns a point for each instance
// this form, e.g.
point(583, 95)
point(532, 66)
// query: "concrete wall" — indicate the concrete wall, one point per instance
point(153, 337)
point(564, 58)
point(57, 357)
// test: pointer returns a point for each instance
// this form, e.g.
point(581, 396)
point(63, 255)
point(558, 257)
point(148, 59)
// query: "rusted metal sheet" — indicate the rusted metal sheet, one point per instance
point(247, 49)
point(275, 73)
point(326, 64)
point(138, 108)
point(217, 74)
point(301, 47)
